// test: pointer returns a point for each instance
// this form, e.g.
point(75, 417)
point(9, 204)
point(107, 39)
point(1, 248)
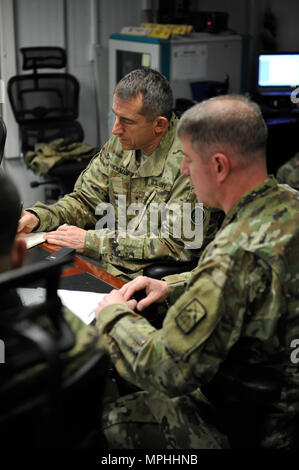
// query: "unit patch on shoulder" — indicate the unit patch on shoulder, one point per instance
point(190, 316)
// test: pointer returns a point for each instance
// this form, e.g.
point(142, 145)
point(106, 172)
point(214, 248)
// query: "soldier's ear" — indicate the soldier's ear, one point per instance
point(220, 164)
point(161, 124)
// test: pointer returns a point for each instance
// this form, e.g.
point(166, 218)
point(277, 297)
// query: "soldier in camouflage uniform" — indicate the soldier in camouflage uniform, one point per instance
point(140, 163)
point(288, 173)
point(12, 253)
point(240, 304)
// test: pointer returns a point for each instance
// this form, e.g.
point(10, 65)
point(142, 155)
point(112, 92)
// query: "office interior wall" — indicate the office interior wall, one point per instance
point(237, 10)
point(79, 24)
point(113, 15)
point(246, 17)
point(38, 23)
point(66, 24)
point(287, 17)
point(243, 13)
point(8, 68)
point(83, 28)
point(71, 23)
point(25, 23)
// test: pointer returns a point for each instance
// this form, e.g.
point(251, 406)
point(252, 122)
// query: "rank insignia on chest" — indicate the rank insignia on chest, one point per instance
point(192, 314)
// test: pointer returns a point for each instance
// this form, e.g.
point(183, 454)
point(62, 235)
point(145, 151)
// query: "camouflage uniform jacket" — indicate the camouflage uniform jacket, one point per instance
point(113, 173)
point(57, 152)
point(85, 344)
point(288, 173)
point(242, 298)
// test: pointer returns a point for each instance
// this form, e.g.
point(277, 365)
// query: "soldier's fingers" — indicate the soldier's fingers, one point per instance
point(55, 236)
point(124, 289)
point(47, 234)
point(147, 301)
point(21, 225)
point(56, 241)
point(27, 222)
point(64, 227)
point(136, 285)
point(24, 220)
point(132, 304)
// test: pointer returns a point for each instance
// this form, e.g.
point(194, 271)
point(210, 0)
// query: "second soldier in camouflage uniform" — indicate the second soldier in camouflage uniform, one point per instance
point(12, 253)
point(141, 163)
point(288, 173)
point(240, 302)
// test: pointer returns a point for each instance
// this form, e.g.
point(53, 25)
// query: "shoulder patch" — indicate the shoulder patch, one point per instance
point(192, 314)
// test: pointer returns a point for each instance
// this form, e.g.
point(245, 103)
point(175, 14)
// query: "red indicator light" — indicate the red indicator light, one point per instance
point(209, 23)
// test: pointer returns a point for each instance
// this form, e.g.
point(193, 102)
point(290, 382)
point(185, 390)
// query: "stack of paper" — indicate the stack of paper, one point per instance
point(33, 239)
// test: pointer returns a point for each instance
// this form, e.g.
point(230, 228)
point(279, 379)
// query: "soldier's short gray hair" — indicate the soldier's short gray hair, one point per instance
point(232, 120)
point(154, 87)
point(10, 211)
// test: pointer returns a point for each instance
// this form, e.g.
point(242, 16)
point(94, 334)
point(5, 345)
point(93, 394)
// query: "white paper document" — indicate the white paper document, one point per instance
point(33, 239)
point(80, 303)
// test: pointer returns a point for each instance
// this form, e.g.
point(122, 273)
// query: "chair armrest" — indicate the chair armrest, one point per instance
point(159, 270)
point(245, 384)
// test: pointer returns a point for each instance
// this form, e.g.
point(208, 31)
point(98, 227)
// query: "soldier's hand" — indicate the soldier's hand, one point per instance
point(156, 291)
point(67, 235)
point(115, 297)
point(27, 222)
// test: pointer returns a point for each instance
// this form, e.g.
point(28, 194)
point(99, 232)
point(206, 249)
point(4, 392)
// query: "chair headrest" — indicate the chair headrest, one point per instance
point(43, 57)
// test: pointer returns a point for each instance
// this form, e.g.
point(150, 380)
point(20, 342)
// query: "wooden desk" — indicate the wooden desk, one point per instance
point(83, 274)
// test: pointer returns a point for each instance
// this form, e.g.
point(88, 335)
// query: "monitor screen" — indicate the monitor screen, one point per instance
point(278, 70)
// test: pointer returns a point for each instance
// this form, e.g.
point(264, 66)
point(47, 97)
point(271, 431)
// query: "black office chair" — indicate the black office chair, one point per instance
point(200, 91)
point(182, 104)
point(203, 90)
point(3, 133)
point(242, 395)
point(159, 270)
point(46, 411)
point(46, 106)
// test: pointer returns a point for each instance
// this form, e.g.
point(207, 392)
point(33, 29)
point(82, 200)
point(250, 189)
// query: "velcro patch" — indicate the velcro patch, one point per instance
point(192, 314)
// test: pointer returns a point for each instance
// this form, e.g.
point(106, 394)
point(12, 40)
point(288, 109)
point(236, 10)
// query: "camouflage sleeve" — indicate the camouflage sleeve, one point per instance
point(86, 343)
point(77, 208)
point(288, 173)
point(177, 284)
point(197, 333)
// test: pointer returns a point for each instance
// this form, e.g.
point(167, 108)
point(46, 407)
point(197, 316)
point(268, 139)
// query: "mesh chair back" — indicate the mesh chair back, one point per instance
point(45, 105)
point(44, 97)
point(71, 131)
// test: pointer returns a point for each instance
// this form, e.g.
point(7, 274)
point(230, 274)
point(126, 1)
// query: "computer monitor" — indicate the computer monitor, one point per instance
point(278, 72)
